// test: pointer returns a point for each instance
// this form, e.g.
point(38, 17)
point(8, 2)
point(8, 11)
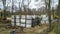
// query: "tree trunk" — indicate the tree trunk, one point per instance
point(49, 13)
point(58, 24)
point(4, 3)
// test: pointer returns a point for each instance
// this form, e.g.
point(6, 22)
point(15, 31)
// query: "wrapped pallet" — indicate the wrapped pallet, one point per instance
point(17, 20)
point(12, 20)
point(28, 23)
point(23, 20)
point(22, 16)
point(29, 17)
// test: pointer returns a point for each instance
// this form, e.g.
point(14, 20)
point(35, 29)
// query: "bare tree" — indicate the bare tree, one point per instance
point(28, 10)
point(19, 7)
point(49, 13)
point(4, 3)
point(46, 6)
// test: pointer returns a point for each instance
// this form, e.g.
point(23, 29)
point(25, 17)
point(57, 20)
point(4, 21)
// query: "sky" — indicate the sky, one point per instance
point(1, 5)
point(33, 4)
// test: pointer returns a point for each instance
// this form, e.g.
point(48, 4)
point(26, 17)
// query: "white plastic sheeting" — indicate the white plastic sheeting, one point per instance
point(18, 24)
point(23, 19)
point(17, 20)
point(28, 26)
point(29, 16)
point(22, 25)
point(17, 16)
point(27, 20)
point(44, 19)
point(33, 16)
point(22, 22)
point(22, 16)
point(28, 23)
point(12, 20)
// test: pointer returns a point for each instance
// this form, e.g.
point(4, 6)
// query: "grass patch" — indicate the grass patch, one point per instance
point(54, 28)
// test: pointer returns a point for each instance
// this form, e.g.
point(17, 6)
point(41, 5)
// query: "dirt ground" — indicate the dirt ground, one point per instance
point(33, 30)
